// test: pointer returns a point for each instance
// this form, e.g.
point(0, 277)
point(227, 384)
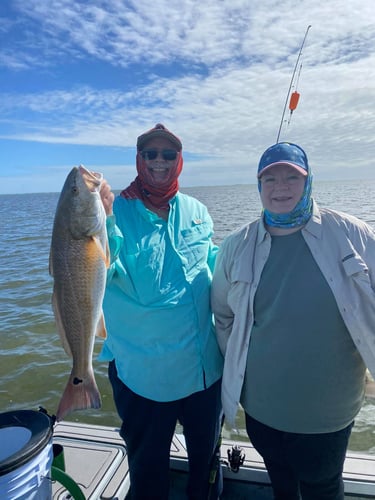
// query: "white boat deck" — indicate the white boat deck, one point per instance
point(95, 457)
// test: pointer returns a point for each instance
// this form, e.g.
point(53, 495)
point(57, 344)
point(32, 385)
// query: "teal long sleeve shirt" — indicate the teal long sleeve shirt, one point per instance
point(157, 300)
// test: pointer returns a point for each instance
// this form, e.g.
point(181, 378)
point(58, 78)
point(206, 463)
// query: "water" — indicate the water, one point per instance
point(33, 366)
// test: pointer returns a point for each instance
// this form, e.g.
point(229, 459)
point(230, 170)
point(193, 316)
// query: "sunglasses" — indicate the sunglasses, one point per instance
point(152, 154)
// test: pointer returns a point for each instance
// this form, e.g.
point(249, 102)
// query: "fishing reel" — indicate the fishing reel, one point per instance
point(236, 458)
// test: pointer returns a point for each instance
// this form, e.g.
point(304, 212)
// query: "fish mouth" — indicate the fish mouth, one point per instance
point(92, 179)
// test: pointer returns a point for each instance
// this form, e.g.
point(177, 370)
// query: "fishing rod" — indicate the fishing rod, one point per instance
point(295, 95)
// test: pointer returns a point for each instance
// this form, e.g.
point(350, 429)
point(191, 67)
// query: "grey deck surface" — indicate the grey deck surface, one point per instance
point(95, 457)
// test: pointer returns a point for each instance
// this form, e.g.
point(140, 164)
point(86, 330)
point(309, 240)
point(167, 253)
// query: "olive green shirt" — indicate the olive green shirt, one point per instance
point(304, 373)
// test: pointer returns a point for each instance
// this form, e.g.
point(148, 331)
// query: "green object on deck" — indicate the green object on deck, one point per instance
point(63, 478)
point(58, 457)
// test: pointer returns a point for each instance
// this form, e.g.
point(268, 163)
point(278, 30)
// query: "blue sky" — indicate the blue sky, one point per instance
point(80, 80)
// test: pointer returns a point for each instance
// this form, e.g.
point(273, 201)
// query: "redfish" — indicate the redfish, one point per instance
point(79, 259)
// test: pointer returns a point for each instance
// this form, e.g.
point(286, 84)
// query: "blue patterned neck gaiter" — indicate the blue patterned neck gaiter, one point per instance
point(298, 216)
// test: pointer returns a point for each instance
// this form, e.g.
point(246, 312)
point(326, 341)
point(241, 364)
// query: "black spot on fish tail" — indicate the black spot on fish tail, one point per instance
point(77, 381)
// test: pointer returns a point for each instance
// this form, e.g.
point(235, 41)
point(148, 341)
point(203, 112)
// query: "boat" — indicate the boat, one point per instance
point(95, 459)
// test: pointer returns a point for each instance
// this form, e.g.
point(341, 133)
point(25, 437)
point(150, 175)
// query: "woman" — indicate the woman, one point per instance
point(294, 306)
point(164, 361)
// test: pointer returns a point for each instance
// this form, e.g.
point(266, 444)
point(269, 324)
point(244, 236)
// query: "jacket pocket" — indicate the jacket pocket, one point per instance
point(354, 264)
point(194, 244)
point(356, 269)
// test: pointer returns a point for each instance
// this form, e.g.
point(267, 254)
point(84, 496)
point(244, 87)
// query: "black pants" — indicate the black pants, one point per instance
point(307, 466)
point(147, 429)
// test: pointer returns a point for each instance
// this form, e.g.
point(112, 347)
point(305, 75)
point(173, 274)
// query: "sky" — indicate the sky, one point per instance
point(80, 80)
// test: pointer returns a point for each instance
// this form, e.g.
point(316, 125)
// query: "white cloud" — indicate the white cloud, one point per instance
point(216, 72)
point(209, 32)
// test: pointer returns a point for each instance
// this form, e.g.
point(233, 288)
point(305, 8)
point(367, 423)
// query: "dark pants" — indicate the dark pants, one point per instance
point(307, 466)
point(147, 429)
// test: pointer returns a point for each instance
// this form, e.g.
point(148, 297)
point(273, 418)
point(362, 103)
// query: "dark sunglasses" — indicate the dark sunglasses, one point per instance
point(152, 154)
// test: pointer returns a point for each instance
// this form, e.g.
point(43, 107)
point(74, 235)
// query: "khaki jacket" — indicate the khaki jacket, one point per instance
point(344, 249)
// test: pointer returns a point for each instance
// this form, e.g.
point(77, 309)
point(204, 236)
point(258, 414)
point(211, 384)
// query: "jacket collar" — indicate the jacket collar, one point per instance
point(314, 226)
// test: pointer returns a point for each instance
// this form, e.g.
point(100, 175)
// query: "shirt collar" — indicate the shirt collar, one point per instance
point(314, 225)
point(262, 231)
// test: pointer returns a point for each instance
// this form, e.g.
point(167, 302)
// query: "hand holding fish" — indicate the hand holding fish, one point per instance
point(107, 197)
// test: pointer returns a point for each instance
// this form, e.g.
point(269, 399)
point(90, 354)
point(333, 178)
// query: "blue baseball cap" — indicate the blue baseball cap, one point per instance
point(284, 153)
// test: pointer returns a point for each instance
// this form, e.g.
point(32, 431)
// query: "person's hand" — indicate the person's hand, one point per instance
point(107, 197)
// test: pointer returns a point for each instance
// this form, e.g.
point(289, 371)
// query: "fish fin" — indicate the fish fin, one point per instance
point(101, 330)
point(79, 395)
point(105, 255)
point(108, 255)
point(59, 325)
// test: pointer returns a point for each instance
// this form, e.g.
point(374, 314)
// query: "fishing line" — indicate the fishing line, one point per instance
point(295, 95)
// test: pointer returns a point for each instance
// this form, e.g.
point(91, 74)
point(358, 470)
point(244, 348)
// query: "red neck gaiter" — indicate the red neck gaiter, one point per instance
point(143, 188)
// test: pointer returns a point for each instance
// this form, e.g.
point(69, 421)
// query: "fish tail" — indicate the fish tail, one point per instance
point(79, 394)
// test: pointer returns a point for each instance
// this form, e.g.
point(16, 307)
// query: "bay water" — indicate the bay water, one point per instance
point(33, 365)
